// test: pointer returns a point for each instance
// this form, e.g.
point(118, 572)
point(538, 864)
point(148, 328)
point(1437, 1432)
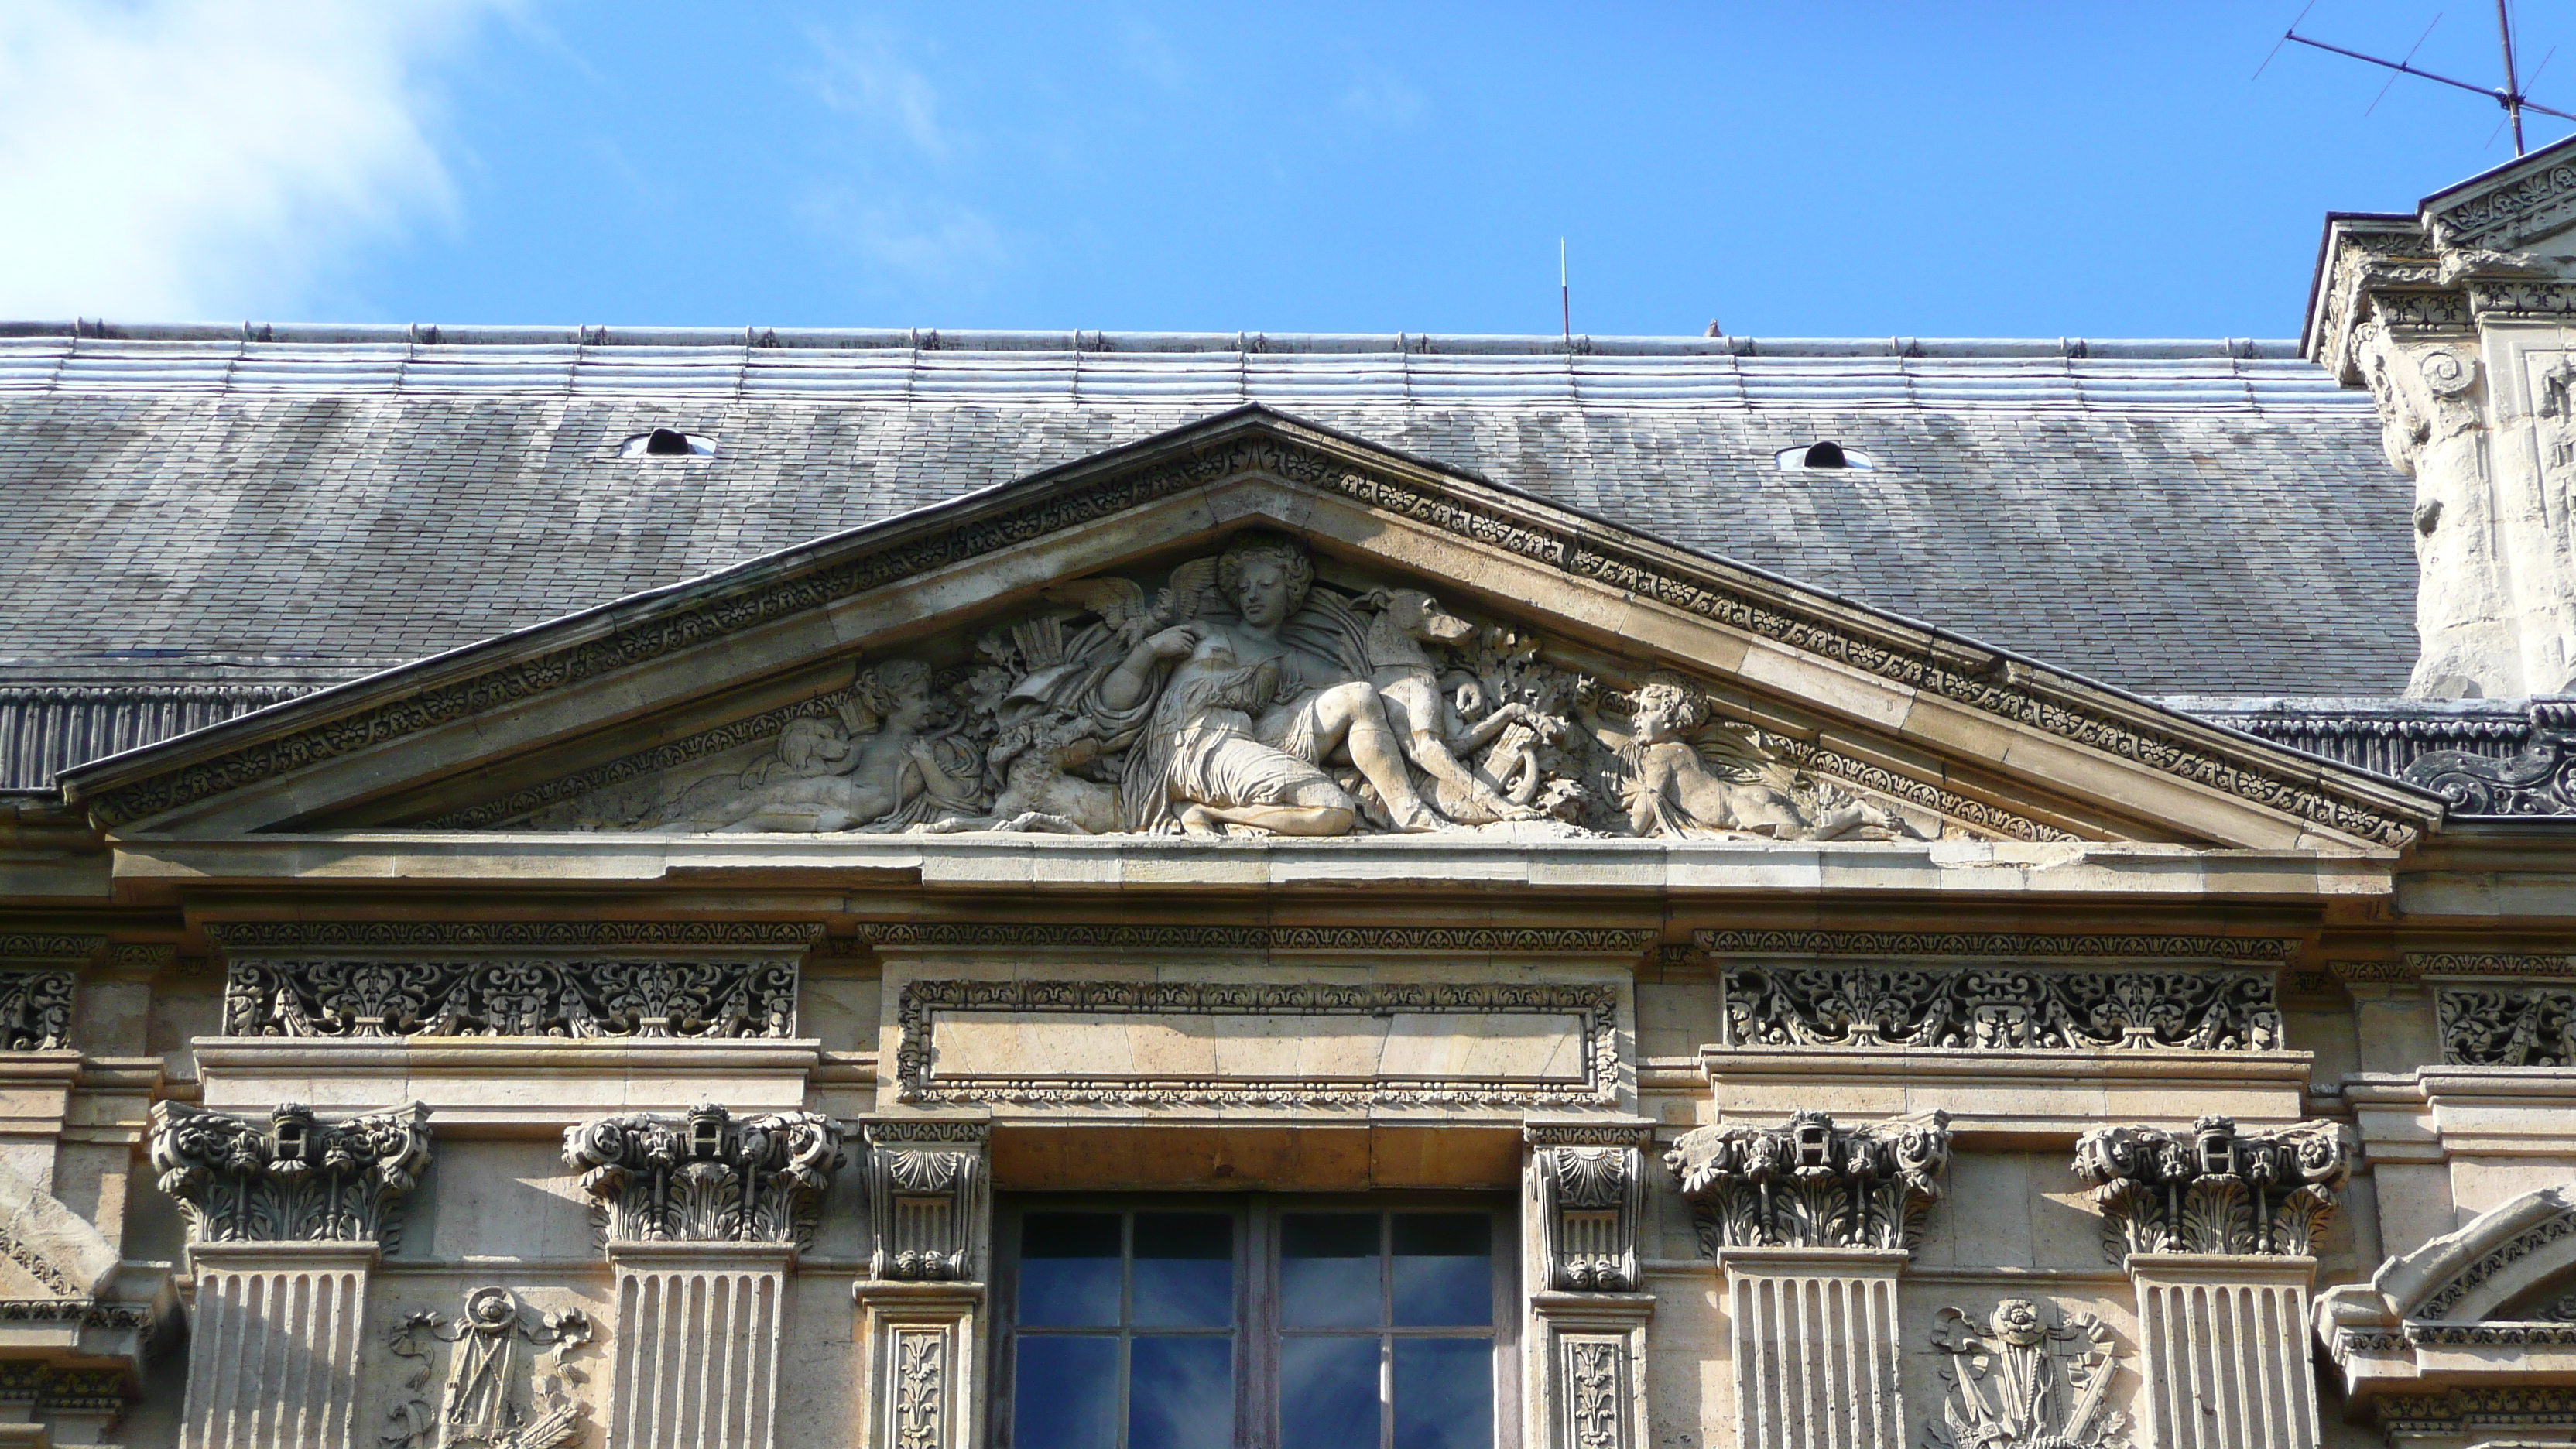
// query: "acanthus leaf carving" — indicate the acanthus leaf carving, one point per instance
point(2021, 1382)
point(2215, 1189)
point(297, 1178)
point(568, 996)
point(1813, 1183)
point(36, 1010)
point(2000, 1005)
point(707, 1175)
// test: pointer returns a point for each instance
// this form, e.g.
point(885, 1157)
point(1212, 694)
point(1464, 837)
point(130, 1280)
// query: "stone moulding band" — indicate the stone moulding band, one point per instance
point(1595, 1006)
point(2420, 964)
point(1985, 683)
point(1995, 944)
point(395, 935)
point(49, 946)
point(1587, 939)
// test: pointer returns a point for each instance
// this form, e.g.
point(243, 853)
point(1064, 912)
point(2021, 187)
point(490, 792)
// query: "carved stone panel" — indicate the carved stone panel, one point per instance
point(2215, 1190)
point(2019, 1380)
point(506, 1385)
point(707, 1176)
point(1588, 1181)
point(1812, 1183)
point(36, 1010)
point(568, 996)
point(296, 1179)
point(2000, 1005)
point(2494, 1024)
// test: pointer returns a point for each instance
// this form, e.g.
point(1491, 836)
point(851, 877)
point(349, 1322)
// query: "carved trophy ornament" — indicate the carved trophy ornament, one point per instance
point(1812, 1183)
point(2020, 1382)
point(707, 1176)
point(2214, 1189)
point(1244, 697)
point(295, 1179)
point(497, 1395)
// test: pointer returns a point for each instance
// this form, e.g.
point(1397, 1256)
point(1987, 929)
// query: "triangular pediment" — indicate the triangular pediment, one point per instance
point(1250, 624)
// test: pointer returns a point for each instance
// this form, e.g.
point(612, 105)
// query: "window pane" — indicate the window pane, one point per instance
point(1444, 1393)
point(1067, 1395)
point(1328, 1393)
point(1444, 1270)
point(1069, 1269)
point(1328, 1271)
point(1184, 1270)
point(1180, 1393)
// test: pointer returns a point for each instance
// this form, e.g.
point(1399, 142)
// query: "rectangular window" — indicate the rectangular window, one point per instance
point(1280, 1322)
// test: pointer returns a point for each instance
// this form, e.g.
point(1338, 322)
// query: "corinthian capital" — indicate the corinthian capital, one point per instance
point(1812, 1183)
point(294, 1178)
point(2214, 1189)
point(707, 1176)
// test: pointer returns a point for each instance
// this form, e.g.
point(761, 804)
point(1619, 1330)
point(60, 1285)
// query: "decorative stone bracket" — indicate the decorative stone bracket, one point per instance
point(707, 1176)
point(1588, 1181)
point(1813, 1184)
point(929, 1198)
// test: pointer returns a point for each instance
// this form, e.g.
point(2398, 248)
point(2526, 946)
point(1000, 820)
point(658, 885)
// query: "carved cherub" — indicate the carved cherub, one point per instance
point(878, 765)
point(1684, 779)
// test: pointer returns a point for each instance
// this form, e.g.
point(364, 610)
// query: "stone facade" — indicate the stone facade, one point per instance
point(1252, 936)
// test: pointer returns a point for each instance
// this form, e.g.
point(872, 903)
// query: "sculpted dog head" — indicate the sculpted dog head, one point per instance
point(1413, 614)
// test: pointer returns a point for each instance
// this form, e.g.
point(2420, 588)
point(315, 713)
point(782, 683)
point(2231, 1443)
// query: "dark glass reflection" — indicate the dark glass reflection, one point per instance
point(1444, 1270)
point(1184, 1271)
point(1067, 1394)
point(1444, 1393)
point(1180, 1393)
point(1328, 1271)
point(1069, 1270)
point(1328, 1393)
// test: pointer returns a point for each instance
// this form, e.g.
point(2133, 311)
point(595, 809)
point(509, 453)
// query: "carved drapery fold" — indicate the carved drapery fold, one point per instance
point(2000, 1005)
point(1589, 1183)
point(707, 1176)
point(554, 996)
point(2215, 1190)
point(297, 1179)
point(929, 1199)
point(1813, 1184)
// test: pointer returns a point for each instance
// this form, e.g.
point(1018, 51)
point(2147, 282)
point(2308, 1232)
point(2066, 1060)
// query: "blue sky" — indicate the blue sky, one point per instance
point(1790, 170)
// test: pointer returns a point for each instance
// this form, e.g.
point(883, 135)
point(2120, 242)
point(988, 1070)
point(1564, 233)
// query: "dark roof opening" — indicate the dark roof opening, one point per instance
point(1827, 454)
point(672, 443)
point(667, 443)
point(1824, 455)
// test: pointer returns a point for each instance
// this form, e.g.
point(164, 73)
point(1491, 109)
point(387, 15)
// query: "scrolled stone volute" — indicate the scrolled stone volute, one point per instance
point(298, 1179)
point(2215, 1189)
point(929, 1199)
point(706, 1175)
point(1812, 1183)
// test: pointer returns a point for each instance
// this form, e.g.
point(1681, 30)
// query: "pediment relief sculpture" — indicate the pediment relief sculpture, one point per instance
point(1243, 695)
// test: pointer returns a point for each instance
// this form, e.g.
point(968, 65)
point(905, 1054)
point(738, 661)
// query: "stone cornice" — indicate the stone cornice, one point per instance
point(512, 671)
point(2508, 207)
point(1990, 945)
point(49, 946)
point(239, 936)
point(1480, 940)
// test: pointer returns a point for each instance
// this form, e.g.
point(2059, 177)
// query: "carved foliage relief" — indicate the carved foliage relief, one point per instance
point(1813, 1183)
point(2499, 1025)
point(1241, 695)
point(2000, 1005)
point(2214, 1189)
point(36, 1010)
point(2021, 1381)
point(568, 996)
point(707, 1176)
point(295, 1178)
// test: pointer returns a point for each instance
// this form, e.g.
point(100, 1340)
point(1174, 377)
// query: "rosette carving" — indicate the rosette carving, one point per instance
point(1812, 1183)
point(296, 1178)
point(2214, 1189)
point(707, 1176)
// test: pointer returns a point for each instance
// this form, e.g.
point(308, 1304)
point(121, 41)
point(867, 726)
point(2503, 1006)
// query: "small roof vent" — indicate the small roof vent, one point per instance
point(667, 443)
point(1821, 455)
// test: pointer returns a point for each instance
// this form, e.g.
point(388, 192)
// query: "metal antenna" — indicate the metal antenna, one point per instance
point(2510, 96)
point(1564, 294)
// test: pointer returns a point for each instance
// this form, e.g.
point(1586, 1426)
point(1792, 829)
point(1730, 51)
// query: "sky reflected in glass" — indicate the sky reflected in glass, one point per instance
point(1444, 1270)
point(1069, 1270)
point(1180, 1393)
point(1444, 1393)
point(1329, 1271)
point(1328, 1393)
point(1184, 1271)
point(1067, 1396)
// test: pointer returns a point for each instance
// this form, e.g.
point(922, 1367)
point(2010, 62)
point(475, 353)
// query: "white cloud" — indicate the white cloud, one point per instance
point(928, 240)
point(863, 76)
point(187, 159)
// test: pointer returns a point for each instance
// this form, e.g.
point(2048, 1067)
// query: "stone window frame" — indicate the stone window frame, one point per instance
point(1256, 1288)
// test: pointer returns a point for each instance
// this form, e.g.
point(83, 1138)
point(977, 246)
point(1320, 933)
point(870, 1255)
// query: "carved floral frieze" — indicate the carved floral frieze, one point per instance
point(707, 1175)
point(507, 1385)
point(559, 996)
point(2215, 1189)
point(2492, 1024)
point(1813, 1183)
point(2022, 1381)
point(295, 1178)
point(1999, 1005)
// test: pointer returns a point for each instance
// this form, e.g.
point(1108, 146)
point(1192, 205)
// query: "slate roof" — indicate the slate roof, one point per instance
point(2208, 518)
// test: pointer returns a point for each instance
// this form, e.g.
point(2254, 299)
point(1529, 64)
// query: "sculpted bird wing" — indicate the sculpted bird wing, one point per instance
point(1192, 588)
point(1120, 603)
